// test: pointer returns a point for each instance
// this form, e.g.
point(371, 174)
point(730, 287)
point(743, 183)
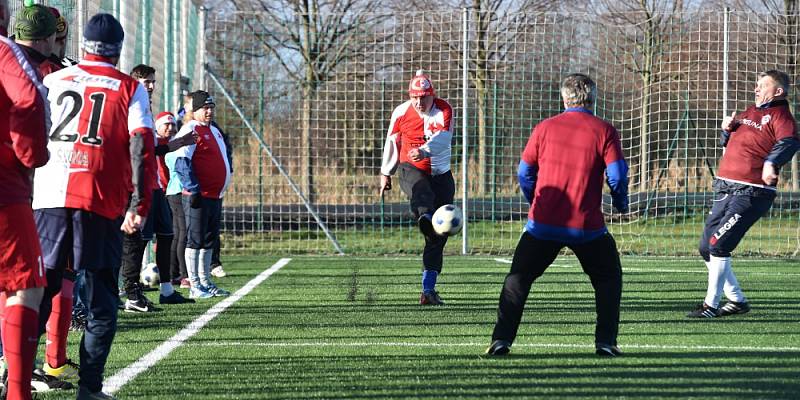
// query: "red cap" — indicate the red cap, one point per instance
point(421, 85)
point(164, 117)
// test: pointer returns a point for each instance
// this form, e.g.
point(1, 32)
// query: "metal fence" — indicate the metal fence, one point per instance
point(318, 109)
point(307, 103)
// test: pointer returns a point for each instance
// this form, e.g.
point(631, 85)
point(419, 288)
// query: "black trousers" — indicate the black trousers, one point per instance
point(178, 260)
point(599, 259)
point(427, 193)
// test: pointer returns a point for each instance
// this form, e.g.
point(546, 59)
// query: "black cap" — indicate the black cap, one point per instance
point(200, 99)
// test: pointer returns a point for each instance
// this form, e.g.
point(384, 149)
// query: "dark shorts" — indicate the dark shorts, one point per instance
point(730, 218)
point(202, 224)
point(159, 219)
point(426, 193)
point(82, 239)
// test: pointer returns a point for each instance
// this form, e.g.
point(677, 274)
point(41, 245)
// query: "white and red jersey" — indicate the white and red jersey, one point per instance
point(430, 132)
point(95, 112)
point(208, 157)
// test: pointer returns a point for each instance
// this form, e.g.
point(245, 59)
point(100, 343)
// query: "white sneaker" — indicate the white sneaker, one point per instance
point(218, 272)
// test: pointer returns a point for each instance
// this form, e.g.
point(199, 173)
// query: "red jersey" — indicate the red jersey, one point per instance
point(431, 133)
point(96, 110)
point(209, 158)
point(571, 152)
point(757, 131)
point(23, 124)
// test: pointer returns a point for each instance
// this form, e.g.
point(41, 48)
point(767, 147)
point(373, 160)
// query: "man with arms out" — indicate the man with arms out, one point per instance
point(561, 176)
point(418, 145)
point(98, 183)
point(23, 146)
point(758, 142)
point(204, 174)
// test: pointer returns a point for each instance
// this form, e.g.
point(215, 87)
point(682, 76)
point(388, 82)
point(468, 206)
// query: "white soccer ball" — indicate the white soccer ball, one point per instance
point(149, 275)
point(447, 220)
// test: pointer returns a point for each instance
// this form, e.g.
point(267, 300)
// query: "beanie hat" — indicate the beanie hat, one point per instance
point(163, 118)
point(421, 85)
point(34, 22)
point(200, 99)
point(103, 36)
point(61, 22)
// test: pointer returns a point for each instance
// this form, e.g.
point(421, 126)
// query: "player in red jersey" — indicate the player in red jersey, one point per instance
point(98, 183)
point(36, 31)
point(758, 142)
point(418, 149)
point(561, 175)
point(23, 147)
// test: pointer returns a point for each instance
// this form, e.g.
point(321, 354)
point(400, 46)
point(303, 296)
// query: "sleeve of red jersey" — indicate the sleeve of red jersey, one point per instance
point(784, 126)
point(27, 124)
point(530, 155)
point(612, 151)
point(143, 159)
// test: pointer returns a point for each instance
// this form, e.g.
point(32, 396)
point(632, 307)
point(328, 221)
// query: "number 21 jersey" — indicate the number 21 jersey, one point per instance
point(95, 110)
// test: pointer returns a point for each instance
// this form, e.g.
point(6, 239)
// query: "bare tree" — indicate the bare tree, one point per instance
point(643, 24)
point(311, 39)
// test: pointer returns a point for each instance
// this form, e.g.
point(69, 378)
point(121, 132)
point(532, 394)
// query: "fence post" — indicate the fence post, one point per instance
point(464, 135)
point(493, 167)
point(725, 50)
point(260, 154)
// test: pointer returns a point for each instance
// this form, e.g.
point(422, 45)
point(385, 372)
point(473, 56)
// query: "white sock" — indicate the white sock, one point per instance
point(166, 289)
point(717, 269)
point(192, 265)
point(205, 267)
point(731, 287)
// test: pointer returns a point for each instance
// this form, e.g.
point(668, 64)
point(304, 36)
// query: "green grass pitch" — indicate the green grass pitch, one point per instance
point(351, 328)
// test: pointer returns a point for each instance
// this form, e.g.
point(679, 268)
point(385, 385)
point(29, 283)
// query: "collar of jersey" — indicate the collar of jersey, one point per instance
point(775, 103)
point(579, 109)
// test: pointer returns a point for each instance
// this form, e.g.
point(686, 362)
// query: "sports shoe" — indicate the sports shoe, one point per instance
point(199, 293)
point(498, 348)
point(174, 298)
point(607, 350)
point(85, 394)
point(703, 310)
point(185, 284)
point(217, 292)
point(78, 323)
point(218, 272)
point(67, 371)
point(138, 305)
point(42, 382)
point(176, 281)
point(733, 307)
point(426, 226)
point(430, 297)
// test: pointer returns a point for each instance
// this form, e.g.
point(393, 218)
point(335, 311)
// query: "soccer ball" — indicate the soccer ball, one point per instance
point(149, 275)
point(447, 220)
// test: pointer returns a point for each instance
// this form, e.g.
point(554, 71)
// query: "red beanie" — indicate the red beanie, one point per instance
point(164, 117)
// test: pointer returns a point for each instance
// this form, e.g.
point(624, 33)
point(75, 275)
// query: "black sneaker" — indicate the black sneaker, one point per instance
point(733, 307)
point(426, 226)
point(41, 382)
point(498, 348)
point(430, 297)
point(174, 298)
point(139, 305)
point(703, 310)
point(78, 323)
point(606, 350)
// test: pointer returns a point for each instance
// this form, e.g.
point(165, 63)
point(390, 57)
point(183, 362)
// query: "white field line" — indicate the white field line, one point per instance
point(699, 270)
point(516, 345)
point(127, 374)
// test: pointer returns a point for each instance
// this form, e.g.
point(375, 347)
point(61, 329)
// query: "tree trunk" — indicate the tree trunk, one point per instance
point(481, 20)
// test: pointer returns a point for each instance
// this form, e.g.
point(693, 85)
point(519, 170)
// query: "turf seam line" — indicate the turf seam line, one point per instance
point(127, 374)
point(699, 270)
point(474, 344)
